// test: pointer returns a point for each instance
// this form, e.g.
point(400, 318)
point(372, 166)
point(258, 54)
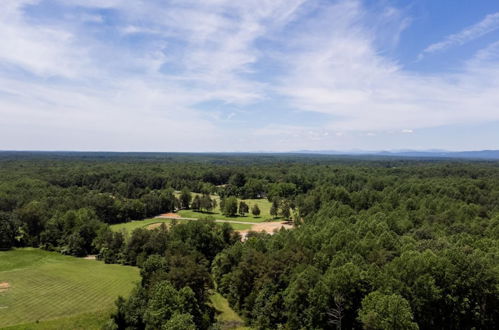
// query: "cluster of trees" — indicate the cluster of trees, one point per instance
point(203, 203)
point(284, 208)
point(413, 248)
point(230, 207)
point(378, 244)
point(175, 269)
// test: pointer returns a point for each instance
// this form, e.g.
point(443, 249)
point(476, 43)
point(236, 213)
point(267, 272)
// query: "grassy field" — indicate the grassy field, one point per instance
point(130, 226)
point(48, 286)
point(226, 317)
point(263, 204)
point(85, 321)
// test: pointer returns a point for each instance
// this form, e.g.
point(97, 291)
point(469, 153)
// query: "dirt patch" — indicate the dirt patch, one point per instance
point(170, 215)
point(4, 286)
point(268, 227)
point(91, 257)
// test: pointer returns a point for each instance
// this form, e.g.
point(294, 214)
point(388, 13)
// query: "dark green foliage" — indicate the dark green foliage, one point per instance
point(380, 243)
point(285, 209)
point(386, 312)
point(175, 275)
point(185, 198)
point(72, 232)
point(169, 306)
point(229, 206)
point(196, 203)
point(243, 208)
point(274, 209)
point(9, 229)
point(207, 203)
point(255, 210)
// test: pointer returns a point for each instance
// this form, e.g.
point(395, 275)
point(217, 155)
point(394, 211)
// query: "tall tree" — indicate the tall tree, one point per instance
point(185, 198)
point(274, 208)
point(206, 202)
point(243, 208)
point(386, 312)
point(196, 203)
point(230, 206)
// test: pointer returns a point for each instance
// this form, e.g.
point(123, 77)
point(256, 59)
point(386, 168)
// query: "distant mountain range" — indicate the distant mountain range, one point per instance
point(480, 154)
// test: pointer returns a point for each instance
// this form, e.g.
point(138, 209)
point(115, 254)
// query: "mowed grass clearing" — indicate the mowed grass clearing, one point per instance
point(132, 225)
point(86, 321)
point(263, 204)
point(148, 223)
point(226, 317)
point(46, 286)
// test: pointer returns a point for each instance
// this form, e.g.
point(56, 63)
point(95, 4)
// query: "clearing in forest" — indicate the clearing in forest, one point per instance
point(226, 317)
point(268, 227)
point(263, 204)
point(156, 222)
point(40, 285)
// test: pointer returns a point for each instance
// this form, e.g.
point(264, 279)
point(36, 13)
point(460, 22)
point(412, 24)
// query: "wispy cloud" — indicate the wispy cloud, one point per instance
point(128, 75)
point(340, 73)
point(489, 24)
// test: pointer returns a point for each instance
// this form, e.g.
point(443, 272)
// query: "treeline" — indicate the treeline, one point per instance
point(38, 189)
point(385, 244)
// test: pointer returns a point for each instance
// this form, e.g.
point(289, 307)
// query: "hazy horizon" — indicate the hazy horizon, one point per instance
point(250, 76)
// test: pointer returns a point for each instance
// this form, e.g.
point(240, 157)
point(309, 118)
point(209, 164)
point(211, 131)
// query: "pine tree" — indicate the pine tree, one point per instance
point(243, 208)
point(255, 210)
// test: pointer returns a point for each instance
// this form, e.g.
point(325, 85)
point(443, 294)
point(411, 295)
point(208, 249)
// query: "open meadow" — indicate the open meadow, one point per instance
point(215, 214)
point(40, 285)
point(156, 222)
point(263, 204)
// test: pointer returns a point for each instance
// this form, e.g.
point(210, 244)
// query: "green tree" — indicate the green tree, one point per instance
point(180, 322)
point(207, 203)
point(285, 209)
point(185, 198)
point(8, 231)
point(230, 206)
point(243, 208)
point(386, 312)
point(274, 208)
point(166, 302)
point(255, 210)
point(196, 203)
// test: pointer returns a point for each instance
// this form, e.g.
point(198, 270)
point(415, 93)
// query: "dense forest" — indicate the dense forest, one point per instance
point(379, 243)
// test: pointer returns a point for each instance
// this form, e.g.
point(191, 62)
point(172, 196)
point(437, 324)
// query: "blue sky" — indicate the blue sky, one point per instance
point(255, 75)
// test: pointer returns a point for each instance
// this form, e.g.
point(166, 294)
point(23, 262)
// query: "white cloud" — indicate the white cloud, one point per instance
point(488, 24)
point(340, 72)
point(42, 50)
point(323, 57)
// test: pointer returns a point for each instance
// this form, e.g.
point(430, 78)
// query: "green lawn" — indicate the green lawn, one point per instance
point(132, 225)
point(85, 321)
point(263, 204)
point(226, 317)
point(49, 286)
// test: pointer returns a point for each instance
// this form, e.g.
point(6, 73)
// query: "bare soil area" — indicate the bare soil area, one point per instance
point(170, 215)
point(4, 286)
point(268, 227)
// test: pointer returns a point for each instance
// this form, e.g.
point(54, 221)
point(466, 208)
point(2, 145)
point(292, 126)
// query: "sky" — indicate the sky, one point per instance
point(252, 75)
